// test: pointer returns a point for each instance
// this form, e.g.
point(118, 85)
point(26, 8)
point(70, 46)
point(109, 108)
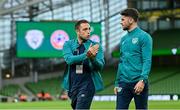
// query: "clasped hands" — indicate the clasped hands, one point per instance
point(93, 50)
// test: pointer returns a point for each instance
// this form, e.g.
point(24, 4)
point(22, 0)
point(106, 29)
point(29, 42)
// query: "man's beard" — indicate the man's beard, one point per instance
point(126, 28)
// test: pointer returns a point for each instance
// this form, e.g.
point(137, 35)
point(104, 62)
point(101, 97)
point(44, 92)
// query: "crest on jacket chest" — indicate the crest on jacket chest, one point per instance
point(135, 40)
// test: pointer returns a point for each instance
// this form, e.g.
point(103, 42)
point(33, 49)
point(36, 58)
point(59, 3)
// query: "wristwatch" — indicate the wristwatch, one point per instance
point(142, 81)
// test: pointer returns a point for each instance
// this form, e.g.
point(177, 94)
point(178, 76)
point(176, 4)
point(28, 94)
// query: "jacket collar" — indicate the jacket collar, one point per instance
point(86, 44)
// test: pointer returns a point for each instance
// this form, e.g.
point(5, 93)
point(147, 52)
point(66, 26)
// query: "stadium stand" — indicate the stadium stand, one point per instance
point(11, 90)
point(51, 86)
point(165, 81)
point(162, 81)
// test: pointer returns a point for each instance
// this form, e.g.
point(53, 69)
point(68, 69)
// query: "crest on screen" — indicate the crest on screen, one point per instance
point(34, 38)
point(58, 38)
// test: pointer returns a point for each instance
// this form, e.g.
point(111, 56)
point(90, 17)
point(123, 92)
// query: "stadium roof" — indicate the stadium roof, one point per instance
point(9, 6)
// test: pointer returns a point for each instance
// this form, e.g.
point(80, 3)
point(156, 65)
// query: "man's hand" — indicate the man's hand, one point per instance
point(115, 90)
point(139, 87)
point(93, 50)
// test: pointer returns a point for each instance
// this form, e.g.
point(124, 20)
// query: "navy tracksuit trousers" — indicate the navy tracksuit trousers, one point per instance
point(82, 98)
point(126, 93)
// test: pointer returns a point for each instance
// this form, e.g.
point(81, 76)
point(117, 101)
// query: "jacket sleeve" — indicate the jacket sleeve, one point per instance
point(98, 62)
point(68, 54)
point(117, 77)
point(146, 57)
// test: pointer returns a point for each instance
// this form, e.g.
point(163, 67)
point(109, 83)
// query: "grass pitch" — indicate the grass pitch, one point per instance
point(96, 105)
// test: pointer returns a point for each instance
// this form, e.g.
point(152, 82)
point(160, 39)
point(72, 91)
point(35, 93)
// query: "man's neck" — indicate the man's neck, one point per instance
point(80, 41)
point(132, 27)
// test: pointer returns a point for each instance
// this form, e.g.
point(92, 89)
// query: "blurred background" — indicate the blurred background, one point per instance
point(32, 33)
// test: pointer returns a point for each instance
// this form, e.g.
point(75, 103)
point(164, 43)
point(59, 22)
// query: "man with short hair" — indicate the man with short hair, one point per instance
point(135, 63)
point(85, 59)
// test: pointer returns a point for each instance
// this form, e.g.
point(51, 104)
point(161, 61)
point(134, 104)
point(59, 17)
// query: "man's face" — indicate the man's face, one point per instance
point(126, 22)
point(84, 31)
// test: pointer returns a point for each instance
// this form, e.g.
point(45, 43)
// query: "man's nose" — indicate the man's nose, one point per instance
point(89, 31)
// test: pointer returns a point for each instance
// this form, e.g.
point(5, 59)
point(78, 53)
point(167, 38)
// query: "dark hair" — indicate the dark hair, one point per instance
point(131, 12)
point(79, 23)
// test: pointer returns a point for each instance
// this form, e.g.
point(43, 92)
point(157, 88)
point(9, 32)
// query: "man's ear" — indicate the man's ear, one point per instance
point(130, 20)
point(77, 31)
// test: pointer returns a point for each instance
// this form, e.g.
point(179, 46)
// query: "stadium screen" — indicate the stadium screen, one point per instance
point(46, 39)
